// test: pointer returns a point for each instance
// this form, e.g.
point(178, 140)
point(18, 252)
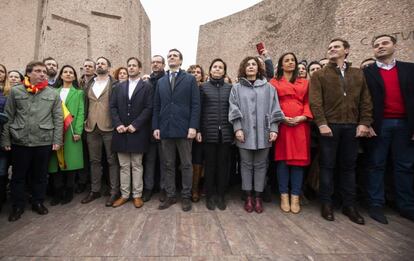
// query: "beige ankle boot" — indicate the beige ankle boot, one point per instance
point(284, 202)
point(295, 206)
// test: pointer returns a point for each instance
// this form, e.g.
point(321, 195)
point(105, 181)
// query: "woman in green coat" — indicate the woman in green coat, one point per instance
point(71, 159)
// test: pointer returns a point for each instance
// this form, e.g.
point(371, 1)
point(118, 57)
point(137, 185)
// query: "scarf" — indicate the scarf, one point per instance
point(34, 88)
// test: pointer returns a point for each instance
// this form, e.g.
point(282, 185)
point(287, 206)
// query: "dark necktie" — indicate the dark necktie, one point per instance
point(173, 76)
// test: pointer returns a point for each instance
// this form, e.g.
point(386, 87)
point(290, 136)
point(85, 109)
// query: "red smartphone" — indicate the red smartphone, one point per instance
point(260, 47)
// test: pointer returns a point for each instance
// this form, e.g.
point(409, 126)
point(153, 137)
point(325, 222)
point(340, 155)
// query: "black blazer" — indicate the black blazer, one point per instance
point(136, 111)
point(376, 87)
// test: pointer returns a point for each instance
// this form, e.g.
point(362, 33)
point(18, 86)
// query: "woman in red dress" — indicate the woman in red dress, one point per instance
point(292, 148)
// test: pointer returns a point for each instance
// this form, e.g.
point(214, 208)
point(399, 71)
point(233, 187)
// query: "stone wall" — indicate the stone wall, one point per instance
point(305, 28)
point(71, 31)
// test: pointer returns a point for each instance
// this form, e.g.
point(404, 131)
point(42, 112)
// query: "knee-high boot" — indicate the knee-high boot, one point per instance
point(3, 188)
point(196, 182)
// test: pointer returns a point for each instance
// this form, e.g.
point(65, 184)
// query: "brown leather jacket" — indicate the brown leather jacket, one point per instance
point(337, 99)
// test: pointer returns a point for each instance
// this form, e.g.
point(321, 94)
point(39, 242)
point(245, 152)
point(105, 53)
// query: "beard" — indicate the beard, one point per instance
point(51, 73)
point(101, 71)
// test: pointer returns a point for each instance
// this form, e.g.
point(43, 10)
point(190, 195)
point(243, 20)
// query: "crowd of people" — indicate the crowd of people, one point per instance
point(125, 130)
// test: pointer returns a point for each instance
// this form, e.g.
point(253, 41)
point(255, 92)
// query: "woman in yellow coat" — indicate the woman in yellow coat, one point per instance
point(65, 168)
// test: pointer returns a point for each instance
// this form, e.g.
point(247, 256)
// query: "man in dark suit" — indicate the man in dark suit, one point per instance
point(131, 111)
point(175, 120)
point(391, 84)
point(154, 152)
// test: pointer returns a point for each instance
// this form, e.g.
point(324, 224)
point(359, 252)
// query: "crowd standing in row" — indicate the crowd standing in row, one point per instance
point(133, 126)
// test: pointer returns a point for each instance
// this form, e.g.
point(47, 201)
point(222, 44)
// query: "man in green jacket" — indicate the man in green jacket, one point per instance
point(342, 109)
point(34, 129)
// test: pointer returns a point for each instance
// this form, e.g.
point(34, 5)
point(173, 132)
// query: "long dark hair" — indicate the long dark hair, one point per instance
point(59, 81)
point(279, 73)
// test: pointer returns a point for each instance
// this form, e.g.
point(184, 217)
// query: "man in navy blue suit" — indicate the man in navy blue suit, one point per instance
point(175, 120)
point(391, 84)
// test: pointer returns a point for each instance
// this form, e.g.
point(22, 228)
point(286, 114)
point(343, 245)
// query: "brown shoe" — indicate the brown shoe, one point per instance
point(119, 202)
point(294, 204)
point(195, 196)
point(138, 202)
point(284, 202)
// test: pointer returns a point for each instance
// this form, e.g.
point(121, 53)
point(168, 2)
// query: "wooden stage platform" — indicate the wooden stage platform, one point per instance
point(95, 232)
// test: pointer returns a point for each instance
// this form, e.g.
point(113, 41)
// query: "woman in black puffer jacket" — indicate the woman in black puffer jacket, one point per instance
point(216, 133)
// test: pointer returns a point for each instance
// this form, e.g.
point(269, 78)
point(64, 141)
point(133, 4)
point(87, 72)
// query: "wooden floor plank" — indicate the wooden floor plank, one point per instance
point(94, 232)
point(200, 234)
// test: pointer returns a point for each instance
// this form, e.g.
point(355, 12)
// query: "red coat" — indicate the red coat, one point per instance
point(293, 142)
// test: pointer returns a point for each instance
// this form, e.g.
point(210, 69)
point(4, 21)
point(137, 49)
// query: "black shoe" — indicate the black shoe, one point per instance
point(408, 214)
point(353, 215)
point(110, 201)
point(40, 209)
point(15, 214)
point(221, 203)
point(327, 212)
point(67, 196)
point(186, 204)
point(210, 204)
point(146, 195)
point(377, 214)
point(168, 202)
point(91, 197)
point(163, 195)
point(80, 188)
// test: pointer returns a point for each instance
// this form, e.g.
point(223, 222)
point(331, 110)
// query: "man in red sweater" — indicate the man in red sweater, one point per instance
point(391, 84)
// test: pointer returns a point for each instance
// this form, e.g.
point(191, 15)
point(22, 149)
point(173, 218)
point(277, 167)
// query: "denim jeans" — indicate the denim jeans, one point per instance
point(295, 173)
point(394, 135)
point(344, 145)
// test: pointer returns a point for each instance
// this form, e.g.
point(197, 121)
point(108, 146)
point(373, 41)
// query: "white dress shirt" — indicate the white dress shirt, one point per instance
point(99, 86)
point(131, 87)
point(64, 94)
point(386, 66)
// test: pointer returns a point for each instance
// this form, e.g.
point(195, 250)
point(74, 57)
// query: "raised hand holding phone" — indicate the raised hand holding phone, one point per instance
point(260, 48)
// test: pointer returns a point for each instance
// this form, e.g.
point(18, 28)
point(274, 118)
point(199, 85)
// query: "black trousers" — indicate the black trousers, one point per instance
point(216, 169)
point(344, 145)
point(33, 161)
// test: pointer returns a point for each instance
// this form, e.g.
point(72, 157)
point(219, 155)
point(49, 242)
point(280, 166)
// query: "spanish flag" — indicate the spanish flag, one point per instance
point(67, 121)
